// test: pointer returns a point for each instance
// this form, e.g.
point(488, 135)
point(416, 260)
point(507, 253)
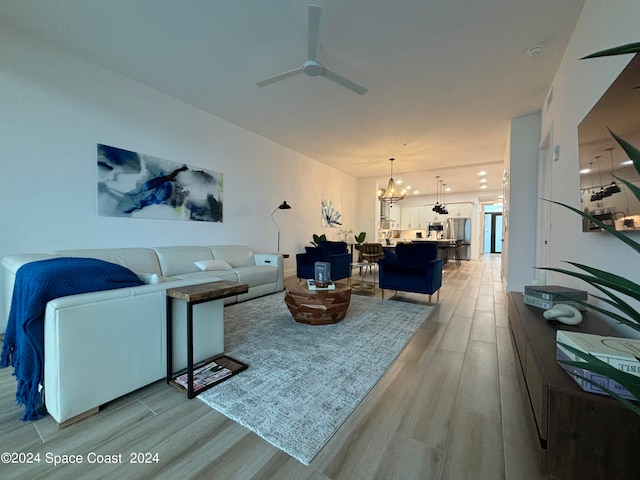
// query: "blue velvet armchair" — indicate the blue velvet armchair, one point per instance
point(414, 267)
point(333, 252)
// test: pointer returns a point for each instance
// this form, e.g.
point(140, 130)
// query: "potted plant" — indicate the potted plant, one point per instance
point(317, 239)
point(613, 287)
point(359, 240)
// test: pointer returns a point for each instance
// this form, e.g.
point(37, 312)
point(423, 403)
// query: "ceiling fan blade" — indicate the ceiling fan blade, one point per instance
point(313, 32)
point(345, 82)
point(280, 76)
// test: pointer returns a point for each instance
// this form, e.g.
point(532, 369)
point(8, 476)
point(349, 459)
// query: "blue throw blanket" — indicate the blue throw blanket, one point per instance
point(36, 283)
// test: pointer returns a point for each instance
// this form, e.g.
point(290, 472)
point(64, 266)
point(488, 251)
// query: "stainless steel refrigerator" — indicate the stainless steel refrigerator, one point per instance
point(460, 229)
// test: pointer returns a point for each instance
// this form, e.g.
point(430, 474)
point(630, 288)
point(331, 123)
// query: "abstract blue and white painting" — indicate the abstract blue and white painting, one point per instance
point(136, 185)
point(331, 215)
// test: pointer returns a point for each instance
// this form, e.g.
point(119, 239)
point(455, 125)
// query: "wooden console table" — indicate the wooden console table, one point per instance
point(581, 435)
point(193, 295)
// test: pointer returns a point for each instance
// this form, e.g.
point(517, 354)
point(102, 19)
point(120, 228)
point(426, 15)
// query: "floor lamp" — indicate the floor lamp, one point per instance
point(283, 206)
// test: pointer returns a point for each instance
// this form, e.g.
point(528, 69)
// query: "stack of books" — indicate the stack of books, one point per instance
point(621, 353)
point(320, 285)
point(548, 296)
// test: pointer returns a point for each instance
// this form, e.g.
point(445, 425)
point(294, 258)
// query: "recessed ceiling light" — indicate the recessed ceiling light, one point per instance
point(408, 187)
point(482, 173)
point(448, 189)
point(535, 51)
point(399, 182)
point(483, 186)
point(628, 162)
point(483, 180)
point(416, 192)
point(585, 170)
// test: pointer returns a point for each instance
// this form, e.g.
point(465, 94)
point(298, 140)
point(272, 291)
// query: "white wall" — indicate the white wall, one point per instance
point(576, 88)
point(519, 222)
point(55, 108)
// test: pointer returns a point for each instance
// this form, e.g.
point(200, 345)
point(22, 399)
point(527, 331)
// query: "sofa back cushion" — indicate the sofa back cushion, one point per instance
point(416, 255)
point(234, 255)
point(180, 260)
point(138, 260)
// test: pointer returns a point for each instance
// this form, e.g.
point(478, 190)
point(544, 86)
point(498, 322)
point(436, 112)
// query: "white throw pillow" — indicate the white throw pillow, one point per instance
point(150, 278)
point(209, 265)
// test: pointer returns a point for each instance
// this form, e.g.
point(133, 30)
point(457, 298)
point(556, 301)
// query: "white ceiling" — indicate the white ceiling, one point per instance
point(443, 77)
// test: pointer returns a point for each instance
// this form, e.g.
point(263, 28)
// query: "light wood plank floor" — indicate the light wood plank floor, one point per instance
point(449, 407)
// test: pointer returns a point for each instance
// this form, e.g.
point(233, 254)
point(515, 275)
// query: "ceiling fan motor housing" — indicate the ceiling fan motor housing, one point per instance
point(313, 68)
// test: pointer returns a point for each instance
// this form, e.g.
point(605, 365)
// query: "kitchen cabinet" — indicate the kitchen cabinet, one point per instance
point(414, 217)
point(389, 216)
point(463, 210)
point(394, 215)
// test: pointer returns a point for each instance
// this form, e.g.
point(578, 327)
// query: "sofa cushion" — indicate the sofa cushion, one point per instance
point(235, 255)
point(203, 277)
point(135, 259)
point(212, 265)
point(150, 278)
point(178, 260)
point(258, 275)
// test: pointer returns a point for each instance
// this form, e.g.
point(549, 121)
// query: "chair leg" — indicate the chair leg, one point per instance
point(382, 290)
point(430, 303)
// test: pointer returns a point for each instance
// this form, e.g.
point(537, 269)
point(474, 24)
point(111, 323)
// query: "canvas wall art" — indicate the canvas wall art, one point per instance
point(132, 184)
point(331, 215)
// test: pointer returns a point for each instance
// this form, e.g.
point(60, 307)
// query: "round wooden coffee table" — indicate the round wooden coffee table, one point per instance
point(318, 307)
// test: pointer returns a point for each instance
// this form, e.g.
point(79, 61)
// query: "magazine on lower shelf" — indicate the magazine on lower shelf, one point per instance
point(205, 375)
point(316, 285)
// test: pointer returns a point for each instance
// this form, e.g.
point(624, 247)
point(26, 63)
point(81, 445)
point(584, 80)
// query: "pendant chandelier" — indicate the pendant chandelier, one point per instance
point(391, 194)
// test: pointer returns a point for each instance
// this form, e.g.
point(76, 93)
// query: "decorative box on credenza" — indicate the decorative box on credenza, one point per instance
point(581, 435)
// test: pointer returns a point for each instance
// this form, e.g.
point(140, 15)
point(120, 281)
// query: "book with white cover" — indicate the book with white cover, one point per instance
point(621, 353)
point(580, 375)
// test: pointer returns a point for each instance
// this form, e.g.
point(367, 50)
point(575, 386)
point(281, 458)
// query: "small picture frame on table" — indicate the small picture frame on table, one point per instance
point(322, 273)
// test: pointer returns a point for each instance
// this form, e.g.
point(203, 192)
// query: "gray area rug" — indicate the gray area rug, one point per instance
point(304, 381)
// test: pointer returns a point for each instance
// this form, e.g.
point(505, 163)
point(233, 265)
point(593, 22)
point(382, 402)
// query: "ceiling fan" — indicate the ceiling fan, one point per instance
point(312, 66)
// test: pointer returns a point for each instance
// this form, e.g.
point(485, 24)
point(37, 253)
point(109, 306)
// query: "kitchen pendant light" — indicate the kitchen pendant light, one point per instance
point(436, 207)
point(443, 209)
point(391, 194)
point(613, 188)
point(602, 192)
point(599, 194)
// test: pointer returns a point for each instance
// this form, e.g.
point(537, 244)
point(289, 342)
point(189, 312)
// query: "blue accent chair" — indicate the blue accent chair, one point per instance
point(414, 267)
point(333, 252)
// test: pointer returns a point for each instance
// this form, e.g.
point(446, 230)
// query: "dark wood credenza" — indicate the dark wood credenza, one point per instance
point(581, 435)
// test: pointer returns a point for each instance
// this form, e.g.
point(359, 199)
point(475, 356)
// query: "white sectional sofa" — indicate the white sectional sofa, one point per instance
point(102, 345)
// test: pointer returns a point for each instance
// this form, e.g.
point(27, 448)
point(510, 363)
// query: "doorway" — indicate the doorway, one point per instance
point(492, 232)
